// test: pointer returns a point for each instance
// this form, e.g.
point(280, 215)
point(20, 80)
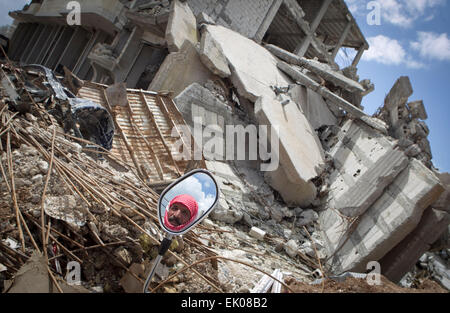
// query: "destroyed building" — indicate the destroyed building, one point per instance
point(346, 189)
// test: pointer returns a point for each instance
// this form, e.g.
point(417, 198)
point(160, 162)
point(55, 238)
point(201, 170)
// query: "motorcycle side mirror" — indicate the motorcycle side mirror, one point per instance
point(182, 205)
point(187, 201)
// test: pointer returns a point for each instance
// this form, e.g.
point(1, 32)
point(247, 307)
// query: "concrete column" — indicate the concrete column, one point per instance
point(341, 40)
point(86, 51)
point(303, 47)
point(358, 56)
point(31, 42)
point(74, 49)
point(38, 46)
point(267, 20)
point(60, 47)
point(53, 46)
point(49, 43)
point(18, 42)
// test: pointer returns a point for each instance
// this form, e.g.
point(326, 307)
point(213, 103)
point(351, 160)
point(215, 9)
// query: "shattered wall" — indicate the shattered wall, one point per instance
point(348, 188)
point(244, 17)
point(389, 208)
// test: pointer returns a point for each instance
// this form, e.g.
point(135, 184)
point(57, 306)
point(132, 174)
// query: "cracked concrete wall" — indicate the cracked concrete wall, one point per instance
point(366, 162)
point(242, 16)
point(384, 225)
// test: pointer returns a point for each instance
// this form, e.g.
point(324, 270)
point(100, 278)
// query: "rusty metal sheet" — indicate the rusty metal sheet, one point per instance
point(143, 132)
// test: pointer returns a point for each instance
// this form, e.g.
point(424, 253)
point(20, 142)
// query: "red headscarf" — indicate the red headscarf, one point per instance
point(190, 203)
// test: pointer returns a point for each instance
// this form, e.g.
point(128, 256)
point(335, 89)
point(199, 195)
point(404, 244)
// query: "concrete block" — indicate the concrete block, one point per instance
point(179, 70)
point(417, 110)
point(300, 153)
point(291, 248)
point(366, 163)
point(384, 225)
point(253, 68)
point(195, 96)
point(307, 217)
point(399, 93)
point(403, 256)
point(293, 194)
point(203, 18)
point(181, 27)
point(224, 213)
point(212, 56)
point(257, 233)
point(443, 203)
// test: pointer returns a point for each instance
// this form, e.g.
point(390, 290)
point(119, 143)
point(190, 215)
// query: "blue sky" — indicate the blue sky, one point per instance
point(200, 186)
point(9, 5)
point(412, 40)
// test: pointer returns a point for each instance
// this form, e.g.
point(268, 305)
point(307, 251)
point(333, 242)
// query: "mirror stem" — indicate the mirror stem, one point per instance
point(164, 246)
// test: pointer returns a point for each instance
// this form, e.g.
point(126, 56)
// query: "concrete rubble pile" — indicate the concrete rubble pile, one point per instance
point(338, 189)
point(406, 121)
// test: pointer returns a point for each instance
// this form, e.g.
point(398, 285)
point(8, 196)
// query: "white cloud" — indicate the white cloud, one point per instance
point(401, 13)
point(432, 46)
point(192, 186)
point(384, 50)
point(389, 51)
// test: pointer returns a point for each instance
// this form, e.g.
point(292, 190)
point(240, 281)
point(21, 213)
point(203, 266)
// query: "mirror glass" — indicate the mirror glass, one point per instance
point(187, 201)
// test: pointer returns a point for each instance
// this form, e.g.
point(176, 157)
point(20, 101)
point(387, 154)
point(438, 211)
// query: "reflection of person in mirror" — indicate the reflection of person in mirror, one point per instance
point(182, 210)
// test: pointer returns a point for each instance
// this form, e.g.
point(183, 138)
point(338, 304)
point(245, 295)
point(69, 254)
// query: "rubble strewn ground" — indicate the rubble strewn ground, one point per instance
point(347, 188)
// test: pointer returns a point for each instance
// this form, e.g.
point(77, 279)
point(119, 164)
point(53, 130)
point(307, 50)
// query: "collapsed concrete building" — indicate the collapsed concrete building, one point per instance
point(121, 41)
point(367, 183)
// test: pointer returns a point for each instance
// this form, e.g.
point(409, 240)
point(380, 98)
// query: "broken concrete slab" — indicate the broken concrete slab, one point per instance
point(224, 213)
point(301, 194)
point(198, 102)
point(417, 110)
point(334, 99)
point(245, 57)
point(212, 56)
point(443, 203)
point(403, 256)
point(307, 217)
point(366, 163)
point(257, 233)
point(399, 93)
point(179, 70)
point(117, 95)
point(396, 98)
point(65, 208)
point(243, 192)
point(323, 70)
point(130, 283)
point(203, 18)
point(352, 244)
point(181, 27)
point(33, 277)
point(291, 248)
point(313, 106)
point(300, 154)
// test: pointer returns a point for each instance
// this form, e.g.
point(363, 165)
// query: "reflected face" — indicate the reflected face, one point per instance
point(178, 214)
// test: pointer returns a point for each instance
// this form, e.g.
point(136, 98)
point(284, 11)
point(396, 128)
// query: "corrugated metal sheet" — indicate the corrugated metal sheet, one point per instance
point(143, 132)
